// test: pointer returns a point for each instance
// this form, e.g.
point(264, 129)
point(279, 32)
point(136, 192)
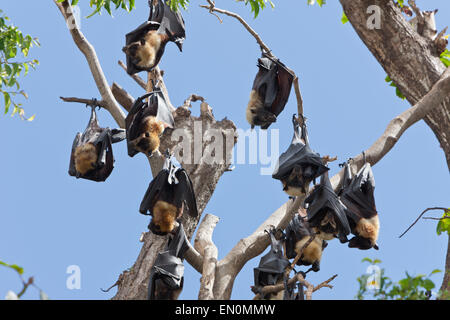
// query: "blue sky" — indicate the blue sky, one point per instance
point(49, 220)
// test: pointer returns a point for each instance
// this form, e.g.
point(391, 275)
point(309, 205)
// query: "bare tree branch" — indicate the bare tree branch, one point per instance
point(122, 96)
point(97, 103)
point(206, 247)
point(395, 129)
point(135, 76)
point(94, 64)
point(420, 216)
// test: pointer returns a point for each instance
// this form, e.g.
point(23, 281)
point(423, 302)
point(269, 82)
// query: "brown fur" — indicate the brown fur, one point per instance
point(164, 216)
point(146, 53)
point(148, 142)
point(254, 104)
point(313, 252)
point(368, 228)
point(85, 158)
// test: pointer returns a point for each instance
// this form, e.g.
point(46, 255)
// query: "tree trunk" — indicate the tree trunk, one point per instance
point(407, 57)
point(133, 283)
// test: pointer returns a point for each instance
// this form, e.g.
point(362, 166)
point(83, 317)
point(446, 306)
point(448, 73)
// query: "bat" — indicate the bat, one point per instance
point(146, 121)
point(271, 268)
point(168, 196)
point(326, 212)
point(270, 92)
point(166, 276)
point(144, 46)
point(91, 157)
point(298, 232)
point(299, 165)
point(357, 194)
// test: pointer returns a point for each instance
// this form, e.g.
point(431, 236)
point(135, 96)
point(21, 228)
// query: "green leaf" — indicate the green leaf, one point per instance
point(344, 18)
point(367, 259)
point(15, 267)
point(435, 271)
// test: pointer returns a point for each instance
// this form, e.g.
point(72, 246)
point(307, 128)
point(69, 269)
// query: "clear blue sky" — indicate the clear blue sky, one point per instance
point(49, 220)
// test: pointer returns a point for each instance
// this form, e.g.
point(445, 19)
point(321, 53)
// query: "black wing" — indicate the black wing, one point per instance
point(184, 191)
point(163, 111)
point(284, 84)
point(156, 187)
point(324, 197)
point(172, 23)
point(265, 83)
point(299, 153)
point(272, 265)
point(358, 196)
point(166, 278)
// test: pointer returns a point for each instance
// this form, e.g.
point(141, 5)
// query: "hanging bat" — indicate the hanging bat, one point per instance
point(145, 45)
point(271, 268)
point(298, 232)
point(146, 121)
point(270, 92)
point(92, 157)
point(166, 276)
point(357, 194)
point(168, 196)
point(299, 165)
point(326, 212)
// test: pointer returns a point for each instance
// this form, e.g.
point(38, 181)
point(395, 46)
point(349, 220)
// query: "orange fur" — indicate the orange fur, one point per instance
point(147, 52)
point(85, 158)
point(368, 228)
point(164, 216)
point(148, 142)
point(254, 104)
point(313, 252)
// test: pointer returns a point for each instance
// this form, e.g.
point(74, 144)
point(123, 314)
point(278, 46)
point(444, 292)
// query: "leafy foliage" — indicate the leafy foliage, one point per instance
point(409, 288)
point(397, 90)
point(258, 5)
point(445, 58)
point(444, 224)
point(13, 43)
point(319, 2)
point(13, 296)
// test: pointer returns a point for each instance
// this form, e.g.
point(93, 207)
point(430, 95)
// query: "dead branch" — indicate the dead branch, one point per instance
point(122, 96)
point(420, 216)
point(439, 93)
point(135, 77)
point(206, 247)
point(94, 64)
point(91, 102)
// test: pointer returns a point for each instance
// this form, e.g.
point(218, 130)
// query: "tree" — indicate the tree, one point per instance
point(14, 43)
point(429, 100)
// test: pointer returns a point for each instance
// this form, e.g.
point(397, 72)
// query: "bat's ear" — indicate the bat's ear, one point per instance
point(436, 11)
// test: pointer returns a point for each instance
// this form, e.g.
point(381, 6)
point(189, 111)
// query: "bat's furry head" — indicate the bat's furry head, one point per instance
point(148, 142)
point(312, 253)
point(366, 232)
point(144, 52)
point(256, 114)
point(86, 157)
point(164, 217)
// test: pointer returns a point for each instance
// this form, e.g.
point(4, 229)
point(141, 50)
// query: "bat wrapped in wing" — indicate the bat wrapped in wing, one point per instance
point(299, 165)
point(92, 157)
point(145, 45)
point(271, 267)
point(326, 212)
point(168, 196)
point(298, 232)
point(166, 276)
point(357, 194)
point(270, 92)
point(146, 121)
